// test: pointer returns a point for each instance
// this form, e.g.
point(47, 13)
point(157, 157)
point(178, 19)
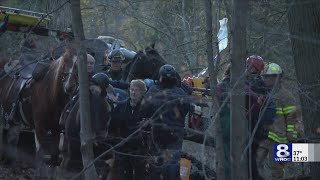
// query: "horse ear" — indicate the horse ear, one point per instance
point(152, 45)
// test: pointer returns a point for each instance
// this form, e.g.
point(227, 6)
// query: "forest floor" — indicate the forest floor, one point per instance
point(18, 172)
point(24, 170)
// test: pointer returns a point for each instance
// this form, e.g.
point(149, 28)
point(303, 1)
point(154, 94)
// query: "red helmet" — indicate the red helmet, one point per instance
point(256, 62)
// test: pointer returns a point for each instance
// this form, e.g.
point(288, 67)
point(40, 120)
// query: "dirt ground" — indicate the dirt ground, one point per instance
point(17, 173)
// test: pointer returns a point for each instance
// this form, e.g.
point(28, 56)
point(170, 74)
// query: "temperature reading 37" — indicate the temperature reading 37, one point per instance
point(296, 153)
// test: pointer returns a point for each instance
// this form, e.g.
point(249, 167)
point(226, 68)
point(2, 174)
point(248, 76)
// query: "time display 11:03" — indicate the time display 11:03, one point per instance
point(300, 159)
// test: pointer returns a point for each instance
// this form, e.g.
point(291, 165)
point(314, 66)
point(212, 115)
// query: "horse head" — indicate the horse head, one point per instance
point(71, 81)
point(69, 70)
point(145, 65)
point(54, 80)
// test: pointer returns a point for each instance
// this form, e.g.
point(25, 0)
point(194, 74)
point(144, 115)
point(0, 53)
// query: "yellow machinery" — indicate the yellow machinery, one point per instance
point(23, 17)
point(19, 20)
point(197, 83)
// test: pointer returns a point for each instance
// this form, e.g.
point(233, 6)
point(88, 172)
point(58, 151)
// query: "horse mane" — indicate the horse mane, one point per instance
point(56, 71)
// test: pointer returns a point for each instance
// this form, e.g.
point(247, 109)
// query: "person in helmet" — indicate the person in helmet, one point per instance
point(272, 75)
point(286, 127)
point(255, 64)
point(99, 84)
point(165, 106)
point(260, 107)
point(254, 67)
point(116, 57)
point(253, 111)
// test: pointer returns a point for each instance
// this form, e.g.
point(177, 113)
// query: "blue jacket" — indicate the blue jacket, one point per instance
point(120, 84)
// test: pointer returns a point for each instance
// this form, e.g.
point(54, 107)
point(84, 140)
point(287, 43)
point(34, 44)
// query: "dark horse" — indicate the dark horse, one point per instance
point(100, 112)
point(100, 109)
point(145, 65)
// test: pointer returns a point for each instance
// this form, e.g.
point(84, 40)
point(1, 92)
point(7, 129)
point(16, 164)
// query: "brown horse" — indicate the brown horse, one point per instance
point(48, 100)
point(13, 101)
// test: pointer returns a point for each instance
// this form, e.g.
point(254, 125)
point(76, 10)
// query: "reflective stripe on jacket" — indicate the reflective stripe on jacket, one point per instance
point(284, 128)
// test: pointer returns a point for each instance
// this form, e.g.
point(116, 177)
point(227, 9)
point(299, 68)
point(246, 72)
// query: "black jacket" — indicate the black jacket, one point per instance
point(114, 75)
point(125, 118)
point(125, 121)
point(173, 102)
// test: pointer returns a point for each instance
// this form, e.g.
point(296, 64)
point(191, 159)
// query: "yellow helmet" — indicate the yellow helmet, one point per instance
point(273, 69)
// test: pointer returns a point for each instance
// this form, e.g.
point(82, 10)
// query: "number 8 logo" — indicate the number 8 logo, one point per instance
point(282, 151)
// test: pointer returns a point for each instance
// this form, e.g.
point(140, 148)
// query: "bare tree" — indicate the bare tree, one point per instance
point(304, 26)
point(213, 83)
point(86, 134)
point(239, 123)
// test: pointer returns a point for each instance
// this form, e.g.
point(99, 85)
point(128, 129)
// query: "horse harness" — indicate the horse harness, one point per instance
point(23, 73)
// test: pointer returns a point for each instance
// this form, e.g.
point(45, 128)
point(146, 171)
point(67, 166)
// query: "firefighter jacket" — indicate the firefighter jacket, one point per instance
point(285, 127)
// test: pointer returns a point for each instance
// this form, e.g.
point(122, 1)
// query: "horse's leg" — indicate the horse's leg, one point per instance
point(71, 154)
point(113, 169)
point(12, 140)
point(38, 157)
point(64, 146)
point(1, 131)
point(40, 166)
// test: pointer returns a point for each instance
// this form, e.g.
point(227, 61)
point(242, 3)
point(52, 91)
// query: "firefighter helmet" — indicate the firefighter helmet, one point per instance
point(255, 61)
point(116, 55)
point(273, 69)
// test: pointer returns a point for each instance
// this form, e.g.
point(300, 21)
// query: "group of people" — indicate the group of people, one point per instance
point(152, 120)
point(270, 108)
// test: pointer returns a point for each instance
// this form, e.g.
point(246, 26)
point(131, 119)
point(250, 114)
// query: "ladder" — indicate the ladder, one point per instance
point(20, 20)
point(24, 17)
point(25, 12)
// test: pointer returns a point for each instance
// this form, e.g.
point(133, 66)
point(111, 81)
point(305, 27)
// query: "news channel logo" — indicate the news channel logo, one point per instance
point(282, 152)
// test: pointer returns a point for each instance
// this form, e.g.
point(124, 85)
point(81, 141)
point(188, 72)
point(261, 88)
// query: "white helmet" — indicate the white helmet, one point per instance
point(273, 69)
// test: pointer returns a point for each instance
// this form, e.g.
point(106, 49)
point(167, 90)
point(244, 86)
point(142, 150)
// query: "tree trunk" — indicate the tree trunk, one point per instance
point(304, 27)
point(213, 83)
point(187, 36)
point(1, 130)
point(239, 123)
point(86, 134)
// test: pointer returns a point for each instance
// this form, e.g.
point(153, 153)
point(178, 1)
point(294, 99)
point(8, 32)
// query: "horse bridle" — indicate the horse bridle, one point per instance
point(66, 76)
